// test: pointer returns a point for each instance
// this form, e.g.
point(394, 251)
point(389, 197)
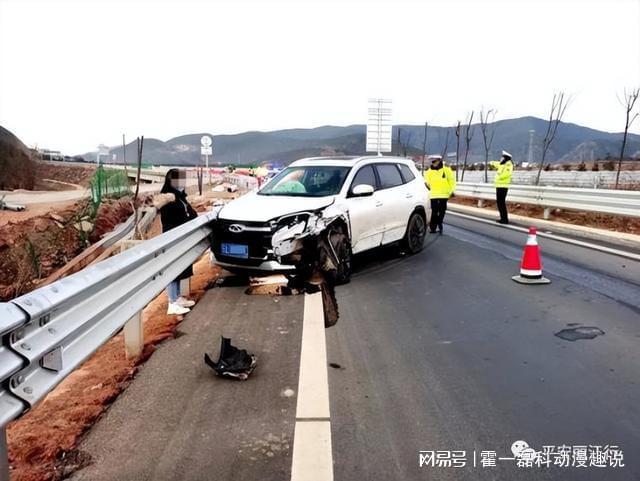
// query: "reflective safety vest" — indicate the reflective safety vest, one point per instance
point(441, 182)
point(503, 174)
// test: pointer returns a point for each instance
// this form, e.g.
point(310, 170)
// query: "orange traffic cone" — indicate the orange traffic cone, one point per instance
point(531, 265)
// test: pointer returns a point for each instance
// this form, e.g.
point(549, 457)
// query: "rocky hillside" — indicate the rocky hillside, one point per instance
point(17, 168)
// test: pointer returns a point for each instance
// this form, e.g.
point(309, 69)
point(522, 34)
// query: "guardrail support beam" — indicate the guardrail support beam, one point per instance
point(133, 330)
point(133, 336)
point(547, 213)
point(4, 456)
point(185, 286)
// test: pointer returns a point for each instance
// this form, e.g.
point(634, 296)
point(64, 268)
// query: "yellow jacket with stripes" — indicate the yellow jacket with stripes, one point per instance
point(441, 182)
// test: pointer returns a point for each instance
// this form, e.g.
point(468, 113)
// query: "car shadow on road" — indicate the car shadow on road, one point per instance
point(386, 256)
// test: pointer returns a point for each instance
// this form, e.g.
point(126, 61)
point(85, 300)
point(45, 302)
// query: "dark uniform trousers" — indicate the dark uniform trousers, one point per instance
point(501, 200)
point(438, 209)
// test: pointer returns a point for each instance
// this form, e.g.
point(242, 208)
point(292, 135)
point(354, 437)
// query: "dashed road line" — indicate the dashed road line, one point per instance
point(312, 458)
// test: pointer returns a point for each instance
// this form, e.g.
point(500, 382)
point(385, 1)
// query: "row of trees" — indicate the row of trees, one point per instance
point(559, 104)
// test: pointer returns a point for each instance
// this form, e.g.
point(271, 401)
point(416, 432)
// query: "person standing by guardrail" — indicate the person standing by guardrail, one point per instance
point(441, 184)
point(175, 210)
point(502, 180)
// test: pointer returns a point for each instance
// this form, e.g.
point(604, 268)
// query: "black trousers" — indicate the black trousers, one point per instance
point(438, 209)
point(501, 200)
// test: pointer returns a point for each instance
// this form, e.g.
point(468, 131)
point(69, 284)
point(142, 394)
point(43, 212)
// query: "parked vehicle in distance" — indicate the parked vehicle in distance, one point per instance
point(353, 203)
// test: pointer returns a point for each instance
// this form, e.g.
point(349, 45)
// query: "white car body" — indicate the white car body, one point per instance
point(373, 220)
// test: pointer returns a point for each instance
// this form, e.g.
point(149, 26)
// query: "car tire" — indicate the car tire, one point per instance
point(413, 241)
point(342, 247)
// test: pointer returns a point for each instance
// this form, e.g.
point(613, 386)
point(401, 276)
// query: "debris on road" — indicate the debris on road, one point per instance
point(280, 285)
point(232, 362)
point(578, 333)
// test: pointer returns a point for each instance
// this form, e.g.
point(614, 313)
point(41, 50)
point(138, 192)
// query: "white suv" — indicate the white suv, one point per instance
point(353, 203)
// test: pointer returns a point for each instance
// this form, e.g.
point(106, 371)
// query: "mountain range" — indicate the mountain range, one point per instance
point(572, 143)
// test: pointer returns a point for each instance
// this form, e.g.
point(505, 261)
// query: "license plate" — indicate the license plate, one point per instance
point(235, 250)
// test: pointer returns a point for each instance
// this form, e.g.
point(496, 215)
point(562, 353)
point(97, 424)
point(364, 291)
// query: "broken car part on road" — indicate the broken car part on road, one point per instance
point(232, 362)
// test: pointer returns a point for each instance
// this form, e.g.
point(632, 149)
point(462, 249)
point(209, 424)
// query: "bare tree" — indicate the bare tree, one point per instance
point(558, 107)
point(457, 148)
point(136, 229)
point(488, 129)
point(468, 135)
point(628, 102)
point(424, 144)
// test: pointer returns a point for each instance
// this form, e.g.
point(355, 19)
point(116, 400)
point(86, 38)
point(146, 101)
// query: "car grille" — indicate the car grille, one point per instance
point(259, 241)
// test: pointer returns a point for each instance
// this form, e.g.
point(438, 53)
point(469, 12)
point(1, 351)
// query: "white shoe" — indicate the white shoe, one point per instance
point(176, 309)
point(184, 302)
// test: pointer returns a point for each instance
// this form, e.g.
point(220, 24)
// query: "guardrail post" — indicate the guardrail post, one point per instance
point(133, 336)
point(480, 203)
point(185, 286)
point(133, 331)
point(4, 455)
point(547, 213)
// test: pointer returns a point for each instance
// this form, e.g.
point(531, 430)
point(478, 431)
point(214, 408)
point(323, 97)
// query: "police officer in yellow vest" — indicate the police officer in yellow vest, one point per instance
point(502, 181)
point(441, 183)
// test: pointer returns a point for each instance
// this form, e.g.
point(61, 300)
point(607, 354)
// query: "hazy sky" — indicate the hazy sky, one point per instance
point(78, 73)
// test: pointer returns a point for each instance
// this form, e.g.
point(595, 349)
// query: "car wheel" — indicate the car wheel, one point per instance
point(413, 241)
point(342, 247)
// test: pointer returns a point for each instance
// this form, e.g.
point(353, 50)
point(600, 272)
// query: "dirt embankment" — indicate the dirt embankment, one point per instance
point(33, 249)
point(597, 220)
point(42, 444)
point(17, 167)
point(62, 177)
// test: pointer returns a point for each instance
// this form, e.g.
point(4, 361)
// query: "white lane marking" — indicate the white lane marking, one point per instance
point(313, 383)
point(588, 245)
point(312, 458)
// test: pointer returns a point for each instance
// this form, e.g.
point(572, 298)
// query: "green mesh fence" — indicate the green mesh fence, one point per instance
point(111, 183)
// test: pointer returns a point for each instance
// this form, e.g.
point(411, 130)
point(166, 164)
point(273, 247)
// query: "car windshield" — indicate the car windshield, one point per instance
point(307, 181)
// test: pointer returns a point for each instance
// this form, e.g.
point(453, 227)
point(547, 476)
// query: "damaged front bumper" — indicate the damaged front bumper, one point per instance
point(293, 242)
point(306, 240)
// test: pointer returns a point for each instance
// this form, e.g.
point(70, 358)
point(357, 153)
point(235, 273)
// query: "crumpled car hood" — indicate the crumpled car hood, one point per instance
point(262, 208)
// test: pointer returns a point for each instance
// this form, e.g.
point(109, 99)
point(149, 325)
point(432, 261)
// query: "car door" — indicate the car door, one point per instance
point(392, 196)
point(367, 226)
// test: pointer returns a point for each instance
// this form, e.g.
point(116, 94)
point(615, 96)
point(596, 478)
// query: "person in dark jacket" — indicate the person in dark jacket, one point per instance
point(175, 210)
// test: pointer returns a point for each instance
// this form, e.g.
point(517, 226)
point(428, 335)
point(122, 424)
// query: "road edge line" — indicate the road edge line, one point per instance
point(587, 245)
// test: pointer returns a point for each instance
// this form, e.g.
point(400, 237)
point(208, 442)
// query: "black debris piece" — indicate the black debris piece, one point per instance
point(233, 362)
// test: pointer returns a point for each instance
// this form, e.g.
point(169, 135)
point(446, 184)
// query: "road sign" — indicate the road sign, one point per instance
point(206, 141)
point(206, 150)
point(379, 126)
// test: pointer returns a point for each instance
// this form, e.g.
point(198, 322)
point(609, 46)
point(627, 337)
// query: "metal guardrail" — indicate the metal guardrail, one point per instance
point(589, 179)
point(608, 201)
point(50, 331)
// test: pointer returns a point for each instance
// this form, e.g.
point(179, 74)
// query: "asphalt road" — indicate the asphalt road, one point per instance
point(436, 352)
point(443, 352)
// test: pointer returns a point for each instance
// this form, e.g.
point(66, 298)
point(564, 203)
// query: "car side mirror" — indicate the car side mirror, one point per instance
point(362, 190)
